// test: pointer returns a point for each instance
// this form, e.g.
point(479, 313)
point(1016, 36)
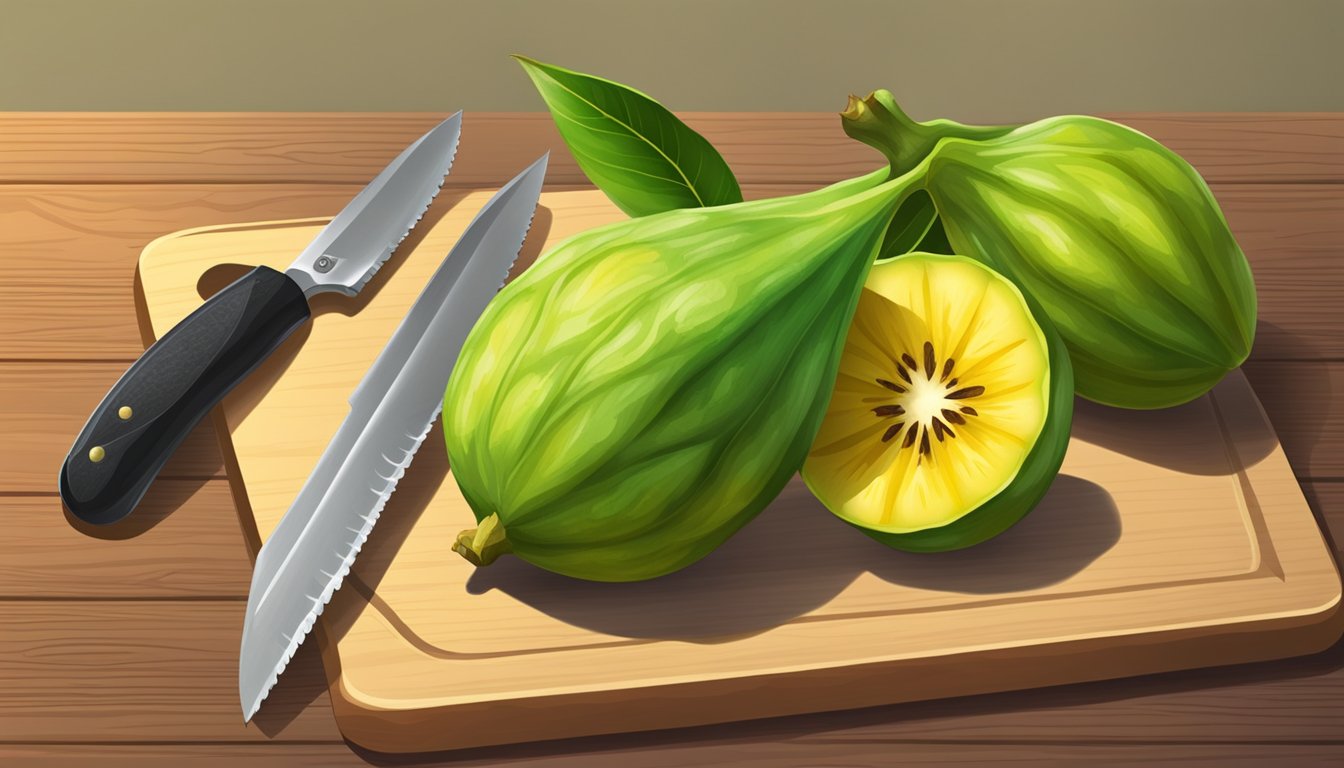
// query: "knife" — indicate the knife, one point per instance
point(162, 396)
point(309, 553)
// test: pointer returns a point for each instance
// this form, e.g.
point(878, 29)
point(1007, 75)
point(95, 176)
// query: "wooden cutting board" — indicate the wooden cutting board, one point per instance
point(1171, 539)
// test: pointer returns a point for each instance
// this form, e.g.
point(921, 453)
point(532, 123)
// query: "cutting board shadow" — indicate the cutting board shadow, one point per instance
point(1171, 539)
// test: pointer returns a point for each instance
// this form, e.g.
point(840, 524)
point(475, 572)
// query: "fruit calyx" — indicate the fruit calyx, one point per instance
point(483, 544)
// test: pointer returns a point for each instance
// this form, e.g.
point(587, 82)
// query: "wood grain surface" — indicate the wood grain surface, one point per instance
point(787, 147)
point(81, 194)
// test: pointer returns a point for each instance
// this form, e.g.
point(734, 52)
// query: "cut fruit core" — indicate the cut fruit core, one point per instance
point(942, 393)
point(926, 401)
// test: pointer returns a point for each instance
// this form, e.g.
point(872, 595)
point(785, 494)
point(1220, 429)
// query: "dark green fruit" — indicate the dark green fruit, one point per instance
point(1117, 237)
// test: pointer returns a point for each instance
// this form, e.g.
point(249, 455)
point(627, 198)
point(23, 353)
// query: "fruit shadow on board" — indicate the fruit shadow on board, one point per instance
point(1275, 342)
point(796, 556)
point(1173, 438)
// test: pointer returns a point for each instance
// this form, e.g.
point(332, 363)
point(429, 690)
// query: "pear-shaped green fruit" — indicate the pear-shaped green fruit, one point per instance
point(1116, 236)
point(646, 388)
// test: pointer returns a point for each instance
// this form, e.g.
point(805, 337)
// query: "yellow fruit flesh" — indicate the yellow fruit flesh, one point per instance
point(942, 392)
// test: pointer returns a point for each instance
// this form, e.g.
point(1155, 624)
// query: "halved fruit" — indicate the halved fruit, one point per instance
point(951, 413)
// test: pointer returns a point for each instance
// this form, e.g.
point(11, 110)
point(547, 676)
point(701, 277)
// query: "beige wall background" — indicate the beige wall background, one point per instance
point(971, 59)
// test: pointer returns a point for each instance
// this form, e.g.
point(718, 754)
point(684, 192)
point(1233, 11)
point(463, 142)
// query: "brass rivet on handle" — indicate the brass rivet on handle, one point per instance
point(125, 412)
point(96, 454)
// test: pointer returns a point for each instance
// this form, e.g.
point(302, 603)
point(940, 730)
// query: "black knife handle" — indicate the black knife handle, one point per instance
point(163, 395)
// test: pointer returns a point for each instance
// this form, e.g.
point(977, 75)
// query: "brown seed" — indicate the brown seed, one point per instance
point(947, 369)
point(893, 386)
point(969, 411)
point(900, 369)
point(892, 431)
point(924, 444)
point(940, 430)
point(909, 361)
point(962, 394)
point(888, 410)
point(930, 364)
point(953, 417)
point(910, 436)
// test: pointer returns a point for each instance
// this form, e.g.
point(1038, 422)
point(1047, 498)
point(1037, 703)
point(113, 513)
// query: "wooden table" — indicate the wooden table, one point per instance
point(121, 643)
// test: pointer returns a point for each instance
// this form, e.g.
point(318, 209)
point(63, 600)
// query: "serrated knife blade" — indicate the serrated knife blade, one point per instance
point(312, 548)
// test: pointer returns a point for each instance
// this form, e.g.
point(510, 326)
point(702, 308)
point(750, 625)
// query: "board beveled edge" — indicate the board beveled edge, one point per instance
point(856, 686)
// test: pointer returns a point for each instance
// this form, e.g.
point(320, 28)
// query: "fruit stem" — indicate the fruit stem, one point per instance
point(483, 544)
point(879, 122)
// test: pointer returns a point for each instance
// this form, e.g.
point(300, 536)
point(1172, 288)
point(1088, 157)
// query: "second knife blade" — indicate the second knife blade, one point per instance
point(308, 555)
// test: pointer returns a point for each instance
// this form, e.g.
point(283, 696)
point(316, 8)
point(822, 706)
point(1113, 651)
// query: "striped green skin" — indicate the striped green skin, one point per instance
point(646, 388)
point(1121, 242)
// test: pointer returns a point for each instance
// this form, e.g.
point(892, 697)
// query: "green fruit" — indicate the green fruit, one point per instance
point(646, 388)
point(1116, 236)
point(951, 411)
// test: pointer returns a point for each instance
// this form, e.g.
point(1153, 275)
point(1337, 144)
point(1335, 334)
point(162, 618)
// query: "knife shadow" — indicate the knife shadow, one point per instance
point(310, 673)
point(165, 496)
point(537, 236)
point(304, 682)
point(415, 492)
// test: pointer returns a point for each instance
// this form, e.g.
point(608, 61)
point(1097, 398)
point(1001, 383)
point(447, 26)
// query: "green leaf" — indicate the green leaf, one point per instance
point(630, 146)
